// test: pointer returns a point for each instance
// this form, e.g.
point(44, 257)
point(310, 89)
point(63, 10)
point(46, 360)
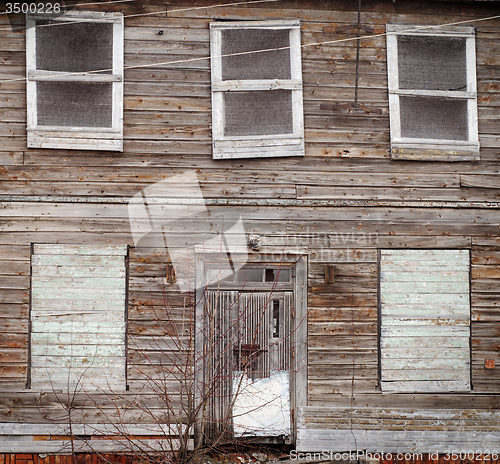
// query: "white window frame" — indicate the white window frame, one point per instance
point(262, 145)
point(422, 148)
point(81, 138)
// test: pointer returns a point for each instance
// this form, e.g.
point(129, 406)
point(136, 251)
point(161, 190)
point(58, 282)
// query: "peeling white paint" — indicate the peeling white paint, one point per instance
point(262, 406)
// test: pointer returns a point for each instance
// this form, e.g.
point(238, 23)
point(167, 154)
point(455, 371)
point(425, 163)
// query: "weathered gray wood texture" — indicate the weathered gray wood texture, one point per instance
point(76, 197)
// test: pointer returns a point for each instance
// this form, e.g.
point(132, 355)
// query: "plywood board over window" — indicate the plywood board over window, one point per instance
point(74, 68)
point(425, 320)
point(432, 92)
point(256, 89)
point(78, 317)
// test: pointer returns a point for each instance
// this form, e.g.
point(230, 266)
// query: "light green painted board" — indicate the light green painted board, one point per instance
point(424, 342)
point(424, 364)
point(44, 339)
point(428, 386)
point(425, 298)
point(59, 305)
point(84, 283)
point(437, 275)
point(426, 311)
point(436, 331)
point(420, 374)
point(51, 349)
point(90, 318)
point(98, 294)
point(422, 266)
point(419, 287)
point(117, 327)
point(417, 353)
point(110, 362)
point(77, 379)
point(76, 260)
point(56, 249)
point(412, 322)
point(78, 271)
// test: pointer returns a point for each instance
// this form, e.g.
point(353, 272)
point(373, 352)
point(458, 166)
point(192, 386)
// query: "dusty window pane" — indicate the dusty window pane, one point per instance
point(434, 118)
point(74, 104)
point(258, 113)
point(278, 275)
point(249, 275)
point(264, 65)
point(74, 47)
point(432, 63)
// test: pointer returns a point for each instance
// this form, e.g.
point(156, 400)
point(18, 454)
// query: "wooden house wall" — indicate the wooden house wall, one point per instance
point(341, 203)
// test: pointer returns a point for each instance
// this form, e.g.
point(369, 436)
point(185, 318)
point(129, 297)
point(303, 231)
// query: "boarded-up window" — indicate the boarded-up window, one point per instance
point(432, 92)
point(425, 320)
point(256, 89)
point(75, 81)
point(78, 317)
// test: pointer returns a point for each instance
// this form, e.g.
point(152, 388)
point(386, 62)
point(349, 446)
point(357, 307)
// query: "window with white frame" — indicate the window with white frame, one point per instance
point(256, 89)
point(432, 92)
point(425, 321)
point(75, 81)
point(78, 317)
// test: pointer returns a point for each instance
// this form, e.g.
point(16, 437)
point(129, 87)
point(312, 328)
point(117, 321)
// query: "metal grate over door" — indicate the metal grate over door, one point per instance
point(247, 332)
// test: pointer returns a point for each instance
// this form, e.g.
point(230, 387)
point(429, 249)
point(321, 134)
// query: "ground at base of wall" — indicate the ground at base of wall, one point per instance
point(258, 457)
point(79, 458)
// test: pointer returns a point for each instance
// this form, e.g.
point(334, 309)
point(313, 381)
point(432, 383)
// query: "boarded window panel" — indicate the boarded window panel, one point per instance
point(432, 63)
point(75, 104)
point(274, 64)
point(78, 317)
point(425, 320)
point(434, 118)
point(258, 113)
point(74, 46)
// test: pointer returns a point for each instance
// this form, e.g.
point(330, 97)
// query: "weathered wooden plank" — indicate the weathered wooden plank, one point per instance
point(397, 256)
point(14, 282)
point(116, 445)
point(358, 328)
point(18, 326)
